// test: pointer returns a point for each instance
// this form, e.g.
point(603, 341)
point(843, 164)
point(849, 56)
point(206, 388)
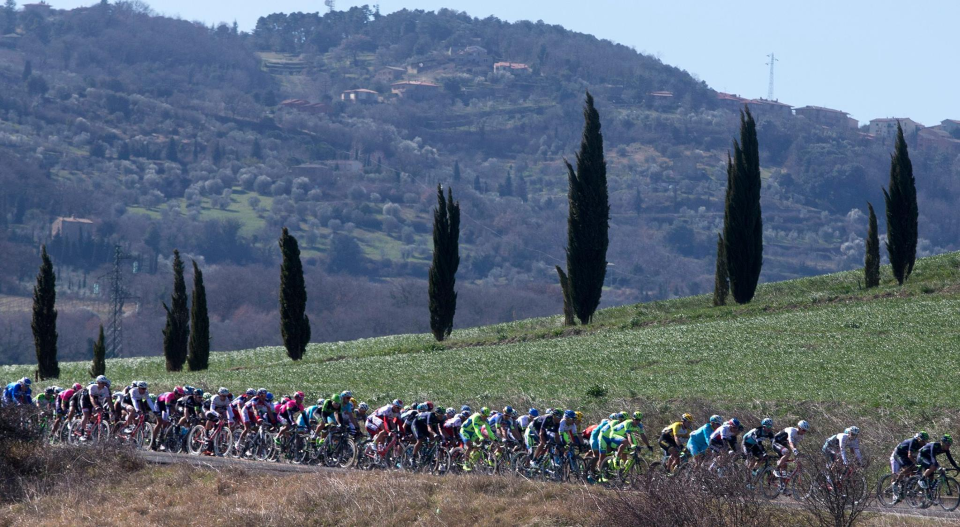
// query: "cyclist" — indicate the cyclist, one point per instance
point(544, 429)
point(385, 420)
point(785, 443)
point(250, 414)
point(47, 401)
point(17, 392)
point(63, 407)
point(93, 397)
point(407, 416)
point(329, 415)
point(524, 420)
point(725, 437)
point(567, 430)
point(360, 415)
point(347, 416)
point(167, 405)
point(220, 408)
point(753, 442)
point(673, 437)
point(837, 446)
point(699, 440)
point(597, 451)
point(190, 405)
point(621, 435)
point(140, 401)
point(286, 411)
point(504, 425)
point(471, 434)
point(904, 457)
point(426, 426)
point(928, 458)
point(451, 427)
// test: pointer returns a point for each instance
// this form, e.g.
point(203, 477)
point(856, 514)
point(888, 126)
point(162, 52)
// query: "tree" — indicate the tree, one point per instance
point(589, 218)
point(44, 323)
point(742, 221)
point(124, 151)
point(506, 188)
point(10, 17)
point(476, 183)
point(346, 255)
point(871, 261)
point(172, 154)
point(217, 154)
point(637, 201)
point(446, 259)
point(99, 365)
point(721, 281)
point(568, 316)
point(177, 330)
point(198, 354)
point(902, 212)
point(37, 85)
point(294, 323)
point(27, 71)
point(257, 151)
point(456, 171)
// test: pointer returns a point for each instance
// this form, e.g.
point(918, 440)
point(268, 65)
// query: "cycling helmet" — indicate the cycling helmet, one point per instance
point(189, 389)
point(579, 415)
point(102, 379)
point(549, 411)
point(429, 405)
point(250, 392)
point(77, 386)
point(346, 394)
point(716, 419)
point(557, 412)
point(923, 435)
point(363, 407)
point(108, 383)
point(397, 402)
point(26, 381)
point(613, 416)
point(569, 414)
point(533, 412)
point(178, 390)
point(451, 412)
point(622, 416)
point(686, 417)
point(767, 422)
point(269, 397)
point(853, 430)
point(803, 425)
point(50, 390)
point(198, 392)
point(508, 410)
point(464, 415)
point(262, 391)
point(946, 439)
point(299, 395)
point(320, 401)
point(485, 411)
point(735, 423)
point(422, 407)
point(466, 408)
point(223, 391)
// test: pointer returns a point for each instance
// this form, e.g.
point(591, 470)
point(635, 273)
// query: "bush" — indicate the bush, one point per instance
point(597, 391)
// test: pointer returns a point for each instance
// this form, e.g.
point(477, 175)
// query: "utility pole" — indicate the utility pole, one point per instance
point(118, 296)
point(770, 88)
point(331, 5)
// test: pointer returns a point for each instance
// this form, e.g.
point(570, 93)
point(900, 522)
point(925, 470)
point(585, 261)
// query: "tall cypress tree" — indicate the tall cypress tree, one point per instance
point(902, 212)
point(589, 218)
point(871, 261)
point(44, 323)
point(294, 323)
point(446, 260)
point(99, 364)
point(568, 317)
point(177, 331)
point(721, 280)
point(198, 354)
point(742, 221)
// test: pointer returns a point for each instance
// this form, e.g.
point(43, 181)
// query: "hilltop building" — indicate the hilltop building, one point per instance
point(390, 74)
point(887, 127)
point(360, 96)
point(827, 117)
point(415, 90)
point(511, 67)
point(70, 228)
point(767, 108)
point(731, 101)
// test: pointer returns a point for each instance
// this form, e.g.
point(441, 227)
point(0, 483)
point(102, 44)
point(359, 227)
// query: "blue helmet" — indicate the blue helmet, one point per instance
point(735, 423)
point(269, 396)
point(767, 423)
point(508, 410)
point(570, 414)
point(422, 407)
point(466, 408)
point(716, 419)
point(613, 416)
point(533, 412)
point(26, 381)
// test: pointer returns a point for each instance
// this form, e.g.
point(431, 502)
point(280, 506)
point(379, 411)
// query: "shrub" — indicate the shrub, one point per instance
point(597, 391)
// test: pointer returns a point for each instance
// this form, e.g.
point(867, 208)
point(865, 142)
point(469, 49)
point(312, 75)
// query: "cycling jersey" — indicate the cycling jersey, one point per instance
point(678, 431)
point(757, 436)
point(839, 444)
point(726, 435)
point(906, 447)
point(567, 426)
point(927, 456)
point(308, 415)
point(16, 393)
point(471, 430)
point(699, 440)
point(523, 421)
point(45, 401)
point(787, 436)
point(221, 405)
point(136, 398)
point(99, 395)
point(63, 400)
point(423, 423)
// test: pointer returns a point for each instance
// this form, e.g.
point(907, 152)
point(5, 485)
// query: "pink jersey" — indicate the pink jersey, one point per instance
point(67, 394)
point(168, 398)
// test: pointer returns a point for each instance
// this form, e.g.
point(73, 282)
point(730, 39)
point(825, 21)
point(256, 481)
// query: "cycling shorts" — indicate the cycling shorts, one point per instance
point(469, 436)
point(830, 454)
point(667, 442)
point(212, 415)
point(85, 404)
point(285, 417)
point(420, 430)
point(756, 450)
point(781, 449)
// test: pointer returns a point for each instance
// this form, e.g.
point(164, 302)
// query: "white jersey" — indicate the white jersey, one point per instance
point(221, 404)
point(726, 432)
point(524, 420)
point(99, 395)
point(387, 412)
point(843, 442)
point(136, 397)
point(568, 428)
point(789, 435)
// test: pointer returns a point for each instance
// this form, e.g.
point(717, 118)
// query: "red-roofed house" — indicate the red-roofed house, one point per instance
point(768, 108)
point(72, 228)
point(938, 139)
point(730, 101)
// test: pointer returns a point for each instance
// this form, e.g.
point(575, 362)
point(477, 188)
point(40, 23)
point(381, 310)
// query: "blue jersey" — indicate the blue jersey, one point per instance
point(305, 416)
point(16, 392)
point(699, 439)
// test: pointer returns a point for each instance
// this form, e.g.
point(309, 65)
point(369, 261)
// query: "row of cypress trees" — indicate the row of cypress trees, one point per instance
point(179, 344)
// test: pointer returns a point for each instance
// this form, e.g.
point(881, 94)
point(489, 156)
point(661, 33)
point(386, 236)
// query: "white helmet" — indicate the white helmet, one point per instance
point(142, 384)
point(853, 430)
point(223, 391)
point(102, 378)
point(803, 425)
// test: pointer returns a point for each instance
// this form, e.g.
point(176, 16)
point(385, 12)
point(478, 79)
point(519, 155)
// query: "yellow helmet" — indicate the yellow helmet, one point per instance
point(579, 416)
point(686, 417)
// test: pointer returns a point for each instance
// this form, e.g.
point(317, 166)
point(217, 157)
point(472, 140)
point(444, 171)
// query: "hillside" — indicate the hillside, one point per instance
point(168, 134)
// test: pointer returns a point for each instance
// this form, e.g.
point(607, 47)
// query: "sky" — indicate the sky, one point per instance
point(873, 58)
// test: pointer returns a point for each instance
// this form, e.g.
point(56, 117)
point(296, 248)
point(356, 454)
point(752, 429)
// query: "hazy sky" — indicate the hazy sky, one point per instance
point(875, 58)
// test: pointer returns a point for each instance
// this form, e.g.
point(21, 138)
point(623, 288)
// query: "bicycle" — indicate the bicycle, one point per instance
point(795, 483)
point(942, 490)
point(137, 433)
point(890, 492)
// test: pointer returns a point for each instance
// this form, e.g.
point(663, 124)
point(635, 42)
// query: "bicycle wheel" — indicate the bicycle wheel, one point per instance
point(770, 485)
point(888, 492)
point(222, 443)
point(916, 495)
point(367, 456)
point(347, 454)
point(196, 440)
point(801, 486)
point(577, 470)
point(76, 432)
point(443, 461)
point(948, 494)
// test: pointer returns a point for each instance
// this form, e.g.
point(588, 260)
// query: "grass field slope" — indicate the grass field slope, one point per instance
point(817, 340)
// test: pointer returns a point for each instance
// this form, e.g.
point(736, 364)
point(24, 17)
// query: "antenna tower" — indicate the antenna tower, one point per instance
point(118, 295)
point(770, 88)
point(331, 5)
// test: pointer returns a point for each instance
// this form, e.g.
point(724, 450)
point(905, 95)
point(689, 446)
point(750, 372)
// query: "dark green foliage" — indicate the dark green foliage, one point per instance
point(568, 317)
point(589, 218)
point(721, 280)
point(902, 212)
point(294, 323)
point(270, 98)
point(44, 322)
point(456, 171)
point(597, 391)
point(637, 202)
point(346, 255)
point(99, 364)
point(124, 151)
point(37, 85)
point(742, 221)
point(257, 151)
point(871, 263)
point(198, 354)
point(506, 188)
point(217, 155)
point(27, 71)
point(171, 153)
point(446, 259)
point(177, 330)
point(98, 149)
point(520, 188)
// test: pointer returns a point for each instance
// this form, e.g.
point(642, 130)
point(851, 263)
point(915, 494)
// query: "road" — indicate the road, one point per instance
point(215, 463)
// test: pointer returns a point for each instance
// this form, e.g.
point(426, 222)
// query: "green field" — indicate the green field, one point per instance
point(820, 339)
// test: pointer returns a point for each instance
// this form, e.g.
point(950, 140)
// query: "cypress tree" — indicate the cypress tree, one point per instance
point(177, 331)
point(902, 212)
point(294, 323)
point(257, 151)
point(721, 281)
point(456, 171)
point(588, 220)
point(198, 354)
point(476, 183)
point(44, 323)
point(99, 365)
point(742, 221)
point(871, 261)
point(568, 316)
point(172, 154)
point(446, 260)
